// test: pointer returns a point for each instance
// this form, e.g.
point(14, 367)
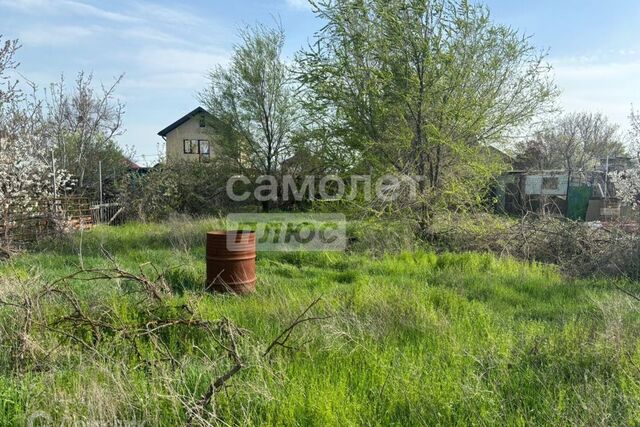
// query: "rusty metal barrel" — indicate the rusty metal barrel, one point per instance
point(231, 261)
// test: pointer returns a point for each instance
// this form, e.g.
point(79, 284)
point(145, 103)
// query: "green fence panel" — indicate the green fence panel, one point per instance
point(578, 202)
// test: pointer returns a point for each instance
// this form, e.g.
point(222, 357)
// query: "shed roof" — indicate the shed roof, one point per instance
point(182, 120)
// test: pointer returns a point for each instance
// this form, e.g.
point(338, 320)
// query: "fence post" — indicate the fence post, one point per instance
point(53, 166)
point(101, 199)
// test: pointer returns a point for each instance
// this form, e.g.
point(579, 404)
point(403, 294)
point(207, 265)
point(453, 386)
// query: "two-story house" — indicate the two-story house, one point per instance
point(187, 137)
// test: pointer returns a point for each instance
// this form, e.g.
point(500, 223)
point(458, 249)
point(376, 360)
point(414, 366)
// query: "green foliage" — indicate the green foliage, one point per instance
point(151, 196)
point(419, 87)
point(114, 164)
point(183, 187)
point(200, 187)
point(413, 338)
point(252, 104)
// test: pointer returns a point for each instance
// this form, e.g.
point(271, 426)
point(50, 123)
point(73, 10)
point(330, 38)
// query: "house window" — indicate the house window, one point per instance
point(202, 121)
point(203, 148)
point(550, 183)
point(191, 146)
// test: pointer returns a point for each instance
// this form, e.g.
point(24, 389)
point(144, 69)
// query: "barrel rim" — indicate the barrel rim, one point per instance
point(230, 232)
point(239, 257)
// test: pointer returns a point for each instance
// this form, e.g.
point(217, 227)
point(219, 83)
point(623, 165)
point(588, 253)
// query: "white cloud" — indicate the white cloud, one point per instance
point(27, 5)
point(182, 81)
point(167, 15)
point(143, 21)
point(299, 4)
point(90, 10)
point(182, 70)
point(57, 35)
point(146, 33)
point(61, 35)
point(180, 60)
point(61, 7)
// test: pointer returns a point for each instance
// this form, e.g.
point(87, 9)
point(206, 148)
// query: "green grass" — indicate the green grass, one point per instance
point(413, 338)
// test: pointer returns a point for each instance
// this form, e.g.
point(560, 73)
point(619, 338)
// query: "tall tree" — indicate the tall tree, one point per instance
point(8, 91)
point(575, 141)
point(25, 179)
point(82, 123)
point(252, 103)
point(419, 86)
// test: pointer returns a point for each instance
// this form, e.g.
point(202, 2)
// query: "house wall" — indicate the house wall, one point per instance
point(189, 130)
point(534, 185)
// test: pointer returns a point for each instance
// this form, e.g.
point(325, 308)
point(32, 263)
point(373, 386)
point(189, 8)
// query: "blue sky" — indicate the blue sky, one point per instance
point(166, 47)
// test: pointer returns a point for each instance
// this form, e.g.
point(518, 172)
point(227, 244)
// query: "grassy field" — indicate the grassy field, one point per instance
point(410, 338)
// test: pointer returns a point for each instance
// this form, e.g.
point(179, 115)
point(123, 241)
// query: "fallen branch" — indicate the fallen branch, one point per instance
point(281, 339)
point(232, 351)
point(155, 288)
point(86, 325)
point(7, 252)
point(220, 382)
point(623, 290)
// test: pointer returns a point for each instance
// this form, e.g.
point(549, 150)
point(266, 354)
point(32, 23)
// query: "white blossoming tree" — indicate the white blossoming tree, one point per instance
point(627, 183)
point(627, 186)
point(26, 180)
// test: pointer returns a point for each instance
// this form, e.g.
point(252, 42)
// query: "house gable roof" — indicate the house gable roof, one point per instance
point(182, 120)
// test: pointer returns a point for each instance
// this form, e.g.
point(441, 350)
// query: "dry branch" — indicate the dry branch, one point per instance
point(220, 382)
point(155, 288)
point(282, 339)
point(630, 294)
point(86, 323)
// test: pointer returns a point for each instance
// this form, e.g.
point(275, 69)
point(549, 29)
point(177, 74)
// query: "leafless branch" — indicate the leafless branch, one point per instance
point(220, 382)
point(630, 294)
point(282, 339)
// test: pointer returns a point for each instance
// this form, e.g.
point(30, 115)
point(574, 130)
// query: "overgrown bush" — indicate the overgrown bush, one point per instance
point(149, 197)
point(579, 249)
point(379, 237)
point(184, 187)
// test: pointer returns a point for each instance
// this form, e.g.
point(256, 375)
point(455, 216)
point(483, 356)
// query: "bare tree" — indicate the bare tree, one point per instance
point(575, 141)
point(82, 125)
point(8, 87)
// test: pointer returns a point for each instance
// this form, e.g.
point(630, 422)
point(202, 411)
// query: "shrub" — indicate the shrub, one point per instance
point(578, 248)
point(184, 187)
point(149, 197)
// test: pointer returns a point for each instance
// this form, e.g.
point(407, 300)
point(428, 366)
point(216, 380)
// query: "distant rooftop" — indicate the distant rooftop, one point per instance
point(182, 120)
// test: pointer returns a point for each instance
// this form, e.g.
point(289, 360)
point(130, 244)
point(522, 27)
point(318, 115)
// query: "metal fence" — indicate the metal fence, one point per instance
point(45, 218)
point(108, 212)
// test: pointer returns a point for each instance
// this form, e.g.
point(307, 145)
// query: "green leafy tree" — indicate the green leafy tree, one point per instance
point(253, 108)
point(421, 87)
